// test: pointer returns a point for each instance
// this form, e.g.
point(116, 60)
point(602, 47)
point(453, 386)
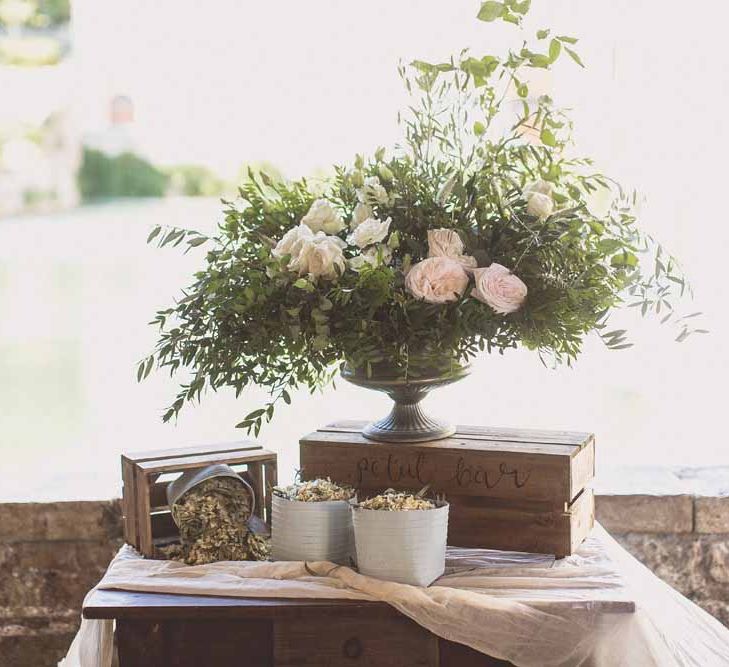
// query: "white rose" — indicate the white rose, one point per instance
point(361, 213)
point(373, 192)
point(437, 280)
point(540, 205)
point(292, 242)
point(323, 217)
point(370, 231)
point(320, 257)
point(499, 288)
point(540, 186)
point(447, 243)
point(376, 255)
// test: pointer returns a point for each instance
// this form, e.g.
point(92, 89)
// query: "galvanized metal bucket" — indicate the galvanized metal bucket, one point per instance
point(191, 478)
point(406, 546)
point(311, 531)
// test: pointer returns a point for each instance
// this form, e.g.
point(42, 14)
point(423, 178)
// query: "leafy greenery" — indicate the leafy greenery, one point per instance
point(249, 319)
point(195, 181)
point(125, 175)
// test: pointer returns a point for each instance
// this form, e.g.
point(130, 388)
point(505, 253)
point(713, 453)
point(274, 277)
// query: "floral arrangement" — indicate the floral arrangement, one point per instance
point(482, 232)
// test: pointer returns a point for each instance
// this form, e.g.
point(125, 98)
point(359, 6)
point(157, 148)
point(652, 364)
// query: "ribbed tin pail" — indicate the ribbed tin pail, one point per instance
point(311, 531)
point(405, 546)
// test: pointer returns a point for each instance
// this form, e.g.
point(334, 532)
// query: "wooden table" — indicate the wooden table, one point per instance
point(160, 630)
point(164, 630)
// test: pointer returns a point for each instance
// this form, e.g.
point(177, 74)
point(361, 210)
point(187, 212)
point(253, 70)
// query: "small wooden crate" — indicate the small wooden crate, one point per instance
point(511, 489)
point(148, 522)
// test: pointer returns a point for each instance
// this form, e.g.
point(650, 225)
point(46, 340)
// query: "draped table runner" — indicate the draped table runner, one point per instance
point(599, 607)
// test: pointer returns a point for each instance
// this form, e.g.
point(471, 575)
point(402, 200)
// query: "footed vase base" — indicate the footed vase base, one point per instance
point(407, 423)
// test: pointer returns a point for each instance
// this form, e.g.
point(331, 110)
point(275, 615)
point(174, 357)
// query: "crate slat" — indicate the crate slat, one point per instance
point(177, 452)
point(147, 520)
point(512, 489)
point(463, 467)
point(188, 462)
point(497, 433)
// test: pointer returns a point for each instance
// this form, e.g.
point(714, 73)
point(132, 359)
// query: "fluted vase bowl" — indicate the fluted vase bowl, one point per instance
point(407, 421)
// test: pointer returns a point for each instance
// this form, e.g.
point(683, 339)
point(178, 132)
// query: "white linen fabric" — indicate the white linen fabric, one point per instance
point(518, 607)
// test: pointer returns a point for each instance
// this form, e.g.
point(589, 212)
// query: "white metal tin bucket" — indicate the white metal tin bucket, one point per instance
point(311, 531)
point(406, 546)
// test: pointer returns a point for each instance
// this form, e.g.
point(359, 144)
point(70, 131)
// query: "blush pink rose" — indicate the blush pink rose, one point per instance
point(499, 288)
point(437, 280)
point(447, 243)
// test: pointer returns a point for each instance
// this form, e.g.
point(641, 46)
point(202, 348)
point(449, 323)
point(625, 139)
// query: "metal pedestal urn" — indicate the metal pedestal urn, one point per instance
point(407, 422)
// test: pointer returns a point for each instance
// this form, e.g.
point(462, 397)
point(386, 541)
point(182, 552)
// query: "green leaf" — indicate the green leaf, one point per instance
point(198, 240)
point(539, 60)
point(479, 129)
point(429, 68)
point(555, 47)
point(522, 90)
point(548, 138)
point(609, 245)
point(520, 7)
point(574, 56)
point(567, 39)
point(490, 11)
point(624, 258)
point(302, 283)
point(153, 234)
point(597, 227)
point(542, 34)
point(683, 336)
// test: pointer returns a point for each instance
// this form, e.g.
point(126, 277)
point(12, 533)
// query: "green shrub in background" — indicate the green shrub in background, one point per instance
point(126, 175)
point(195, 181)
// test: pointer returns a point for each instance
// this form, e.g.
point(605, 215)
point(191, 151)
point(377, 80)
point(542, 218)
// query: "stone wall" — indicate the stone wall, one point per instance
point(52, 554)
point(684, 539)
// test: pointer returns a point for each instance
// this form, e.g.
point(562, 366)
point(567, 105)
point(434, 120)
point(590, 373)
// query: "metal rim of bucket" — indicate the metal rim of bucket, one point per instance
point(177, 488)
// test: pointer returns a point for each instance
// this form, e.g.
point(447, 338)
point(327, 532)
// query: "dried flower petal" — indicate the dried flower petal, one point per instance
point(213, 521)
point(314, 491)
point(397, 502)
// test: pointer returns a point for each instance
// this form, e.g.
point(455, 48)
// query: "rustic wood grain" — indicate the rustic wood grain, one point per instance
point(510, 489)
point(195, 643)
point(193, 450)
point(200, 461)
point(271, 479)
point(178, 630)
point(450, 466)
point(148, 523)
point(353, 638)
point(129, 502)
point(550, 531)
point(493, 432)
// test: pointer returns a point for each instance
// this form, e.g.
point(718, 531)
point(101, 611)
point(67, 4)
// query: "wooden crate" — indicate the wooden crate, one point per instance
point(148, 522)
point(512, 489)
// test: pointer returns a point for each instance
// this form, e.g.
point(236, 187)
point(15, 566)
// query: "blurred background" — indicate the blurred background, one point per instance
point(117, 116)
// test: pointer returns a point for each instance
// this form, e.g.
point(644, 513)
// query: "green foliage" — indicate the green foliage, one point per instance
point(52, 13)
point(195, 181)
point(249, 319)
point(125, 175)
